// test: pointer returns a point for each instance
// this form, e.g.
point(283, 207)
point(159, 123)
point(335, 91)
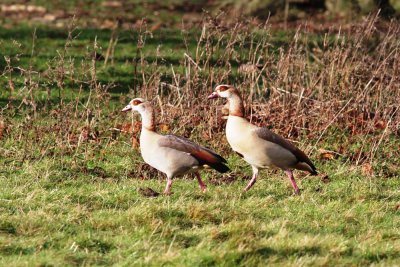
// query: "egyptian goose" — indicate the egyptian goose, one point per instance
point(258, 146)
point(171, 154)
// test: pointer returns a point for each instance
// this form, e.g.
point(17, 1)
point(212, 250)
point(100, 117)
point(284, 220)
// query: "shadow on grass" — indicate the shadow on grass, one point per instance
point(125, 36)
point(268, 252)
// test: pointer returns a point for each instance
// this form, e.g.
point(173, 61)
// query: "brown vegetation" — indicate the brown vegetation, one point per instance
point(340, 93)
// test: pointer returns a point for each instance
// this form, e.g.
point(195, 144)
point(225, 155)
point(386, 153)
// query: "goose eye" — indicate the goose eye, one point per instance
point(136, 102)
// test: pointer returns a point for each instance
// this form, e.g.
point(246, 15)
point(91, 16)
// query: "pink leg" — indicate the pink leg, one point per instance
point(167, 190)
point(253, 179)
point(290, 175)
point(202, 185)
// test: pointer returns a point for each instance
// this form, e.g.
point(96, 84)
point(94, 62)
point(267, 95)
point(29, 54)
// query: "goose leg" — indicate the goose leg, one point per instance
point(253, 179)
point(202, 185)
point(167, 190)
point(295, 187)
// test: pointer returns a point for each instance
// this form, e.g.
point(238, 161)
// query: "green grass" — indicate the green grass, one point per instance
point(62, 215)
point(64, 204)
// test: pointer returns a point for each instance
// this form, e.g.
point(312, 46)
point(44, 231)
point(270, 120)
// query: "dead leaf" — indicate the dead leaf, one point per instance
point(2, 128)
point(37, 9)
point(137, 126)
point(196, 120)
point(135, 142)
point(129, 128)
point(18, 8)
point(367, 169)
point(156, 26)
point(87, 134)
point(205, 135)
point(84, 134)
point(54, 113)
point(225, 179)
point(72, 138)
point(126, 128)
point(380, 125)
point(326, 155)
point(108, 24)
point(49, 17)
point(111, 4)
point(148, 192)
point(164, 127)
point(325, 179)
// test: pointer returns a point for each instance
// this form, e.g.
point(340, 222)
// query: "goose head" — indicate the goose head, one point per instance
point(136, 104)
point(224, 91)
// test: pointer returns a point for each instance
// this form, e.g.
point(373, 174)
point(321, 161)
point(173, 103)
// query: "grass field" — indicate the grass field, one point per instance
point(70, 169)
point(59, 215)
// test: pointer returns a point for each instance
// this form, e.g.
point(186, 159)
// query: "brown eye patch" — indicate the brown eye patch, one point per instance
point(136, 102)
point(223, 88)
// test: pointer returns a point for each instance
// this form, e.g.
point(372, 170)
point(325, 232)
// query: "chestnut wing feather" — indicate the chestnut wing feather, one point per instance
point(202, 154)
